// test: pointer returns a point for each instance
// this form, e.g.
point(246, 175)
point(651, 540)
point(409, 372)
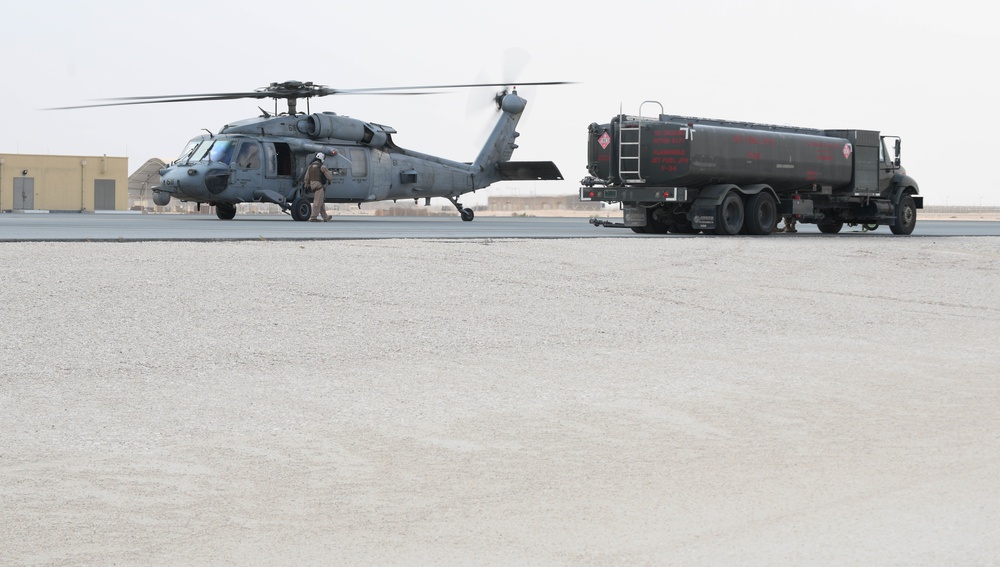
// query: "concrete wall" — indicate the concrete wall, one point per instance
point(541, 203)
point(63, 183)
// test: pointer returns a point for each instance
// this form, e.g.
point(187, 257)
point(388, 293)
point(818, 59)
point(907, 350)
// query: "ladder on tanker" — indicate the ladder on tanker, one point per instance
point(629, 137)
point(629, 146)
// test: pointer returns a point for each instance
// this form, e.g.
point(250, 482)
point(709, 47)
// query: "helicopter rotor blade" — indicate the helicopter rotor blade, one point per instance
point(462, 86)
point(292, 90)
point(129, 101)
point(150, 100)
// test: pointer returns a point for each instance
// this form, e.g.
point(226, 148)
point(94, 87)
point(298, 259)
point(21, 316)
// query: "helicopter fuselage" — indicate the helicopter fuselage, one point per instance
point(265, 159)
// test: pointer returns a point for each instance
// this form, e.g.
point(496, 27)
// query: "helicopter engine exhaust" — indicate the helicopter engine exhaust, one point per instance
point(330, 125)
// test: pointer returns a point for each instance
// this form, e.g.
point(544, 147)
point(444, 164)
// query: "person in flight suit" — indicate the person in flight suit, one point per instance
point(317, 176)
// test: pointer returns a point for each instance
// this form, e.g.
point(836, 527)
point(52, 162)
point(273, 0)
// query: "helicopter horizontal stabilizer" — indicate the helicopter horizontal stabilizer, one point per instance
point(529, 171)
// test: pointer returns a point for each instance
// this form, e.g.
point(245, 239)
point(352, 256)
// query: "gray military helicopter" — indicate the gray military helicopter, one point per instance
point(264, 159)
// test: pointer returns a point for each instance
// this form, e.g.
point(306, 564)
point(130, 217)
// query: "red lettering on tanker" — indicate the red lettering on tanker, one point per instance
point(671, 137)
point(669, 149)
point(753, 140)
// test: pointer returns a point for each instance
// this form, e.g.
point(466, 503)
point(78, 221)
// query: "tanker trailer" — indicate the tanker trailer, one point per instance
point(683, 174)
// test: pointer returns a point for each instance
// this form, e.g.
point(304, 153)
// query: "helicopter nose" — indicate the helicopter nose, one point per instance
point(197, 182)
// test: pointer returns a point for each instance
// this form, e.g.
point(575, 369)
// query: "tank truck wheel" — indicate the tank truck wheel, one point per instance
point(225, 211)
point(870, 226)
point(468, 215)
point(679, 224)
point(683, 227)
point(653, 225)
point(729, 218)
point(301, 209)
point(830, 227)
point(761, 214)
point(906, 216)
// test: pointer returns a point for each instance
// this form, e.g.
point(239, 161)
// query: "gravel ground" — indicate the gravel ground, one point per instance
point(696, 401)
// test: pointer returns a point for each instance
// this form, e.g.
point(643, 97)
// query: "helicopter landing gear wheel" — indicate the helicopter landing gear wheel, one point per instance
point(301, 209)
point(467, 214)
point(225, 211)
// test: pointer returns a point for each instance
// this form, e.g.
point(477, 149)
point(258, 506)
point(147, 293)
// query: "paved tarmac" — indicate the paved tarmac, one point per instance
point(500, 401)
point(126, 227)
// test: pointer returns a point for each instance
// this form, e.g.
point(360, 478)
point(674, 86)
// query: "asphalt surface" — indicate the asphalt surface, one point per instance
point(500, 401)
point(68, 227)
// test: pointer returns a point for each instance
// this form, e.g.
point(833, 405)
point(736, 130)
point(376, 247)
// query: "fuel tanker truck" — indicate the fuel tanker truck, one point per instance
point(687, 175)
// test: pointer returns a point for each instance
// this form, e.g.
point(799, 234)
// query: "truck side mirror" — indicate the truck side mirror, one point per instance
point(899, 144)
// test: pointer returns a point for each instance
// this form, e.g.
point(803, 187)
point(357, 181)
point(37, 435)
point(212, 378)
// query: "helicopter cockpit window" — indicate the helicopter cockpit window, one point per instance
point(248, 156)
point(189, 150)
point(199, 153)
point(221, 151)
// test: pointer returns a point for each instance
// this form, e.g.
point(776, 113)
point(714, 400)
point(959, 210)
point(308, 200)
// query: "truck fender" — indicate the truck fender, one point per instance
point(713, 194)
point(901, 182)
point(754, 189)
point(905, 185)
point(749, 190)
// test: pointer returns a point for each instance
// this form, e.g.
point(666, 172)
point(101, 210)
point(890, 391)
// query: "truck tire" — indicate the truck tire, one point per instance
point(653, 225)
point(729, 215)
point(761, 214)
point(830, 227)
point(683, 228)
point(906, 216)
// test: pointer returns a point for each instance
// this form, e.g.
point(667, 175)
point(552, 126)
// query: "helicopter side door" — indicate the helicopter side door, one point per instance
point(246, 168)
point(278, 168)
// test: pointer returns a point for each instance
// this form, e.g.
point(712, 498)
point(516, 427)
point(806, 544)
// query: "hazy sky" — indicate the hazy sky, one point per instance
point(917, 69)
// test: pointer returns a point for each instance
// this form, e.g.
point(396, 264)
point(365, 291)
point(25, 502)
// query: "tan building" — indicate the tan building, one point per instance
point(63, 183)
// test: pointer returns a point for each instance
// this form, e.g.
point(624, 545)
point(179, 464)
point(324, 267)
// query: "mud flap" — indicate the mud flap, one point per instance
point(703, 214)
point(634, 216)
